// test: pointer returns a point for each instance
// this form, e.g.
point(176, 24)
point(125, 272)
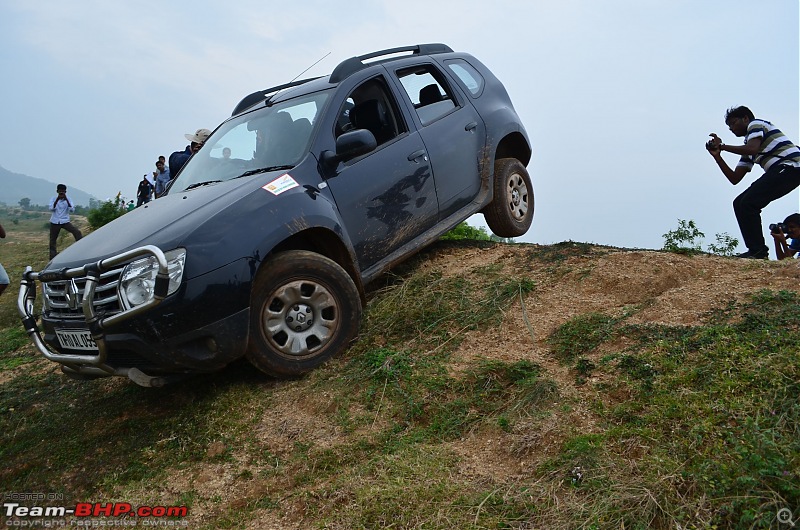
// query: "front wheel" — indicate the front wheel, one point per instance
point(511, 211)
point(305, 309)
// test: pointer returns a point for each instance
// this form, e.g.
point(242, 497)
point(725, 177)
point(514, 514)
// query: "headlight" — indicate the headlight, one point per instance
point(138, 278)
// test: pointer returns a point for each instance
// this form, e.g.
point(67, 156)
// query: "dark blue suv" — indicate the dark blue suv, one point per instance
point(266, 237)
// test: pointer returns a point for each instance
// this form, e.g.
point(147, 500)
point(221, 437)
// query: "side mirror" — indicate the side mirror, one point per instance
point(355, 143)
point(348, 146)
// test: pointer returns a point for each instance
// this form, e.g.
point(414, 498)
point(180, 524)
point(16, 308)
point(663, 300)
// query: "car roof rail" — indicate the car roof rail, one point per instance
point(265, 95)
point(352, 65)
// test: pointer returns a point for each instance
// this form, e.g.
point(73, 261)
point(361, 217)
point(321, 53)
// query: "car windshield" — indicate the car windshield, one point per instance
point(268, 139)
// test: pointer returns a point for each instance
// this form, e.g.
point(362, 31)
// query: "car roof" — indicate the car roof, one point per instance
point(342, 71)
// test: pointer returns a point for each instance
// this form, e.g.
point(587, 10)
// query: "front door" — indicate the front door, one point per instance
point(387, 197)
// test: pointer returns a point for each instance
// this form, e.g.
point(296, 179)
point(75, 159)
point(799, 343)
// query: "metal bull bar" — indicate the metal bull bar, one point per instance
point(90, 364)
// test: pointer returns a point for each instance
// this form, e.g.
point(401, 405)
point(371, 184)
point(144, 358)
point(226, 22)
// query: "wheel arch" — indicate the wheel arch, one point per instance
point(327, 243)
point(514, 145)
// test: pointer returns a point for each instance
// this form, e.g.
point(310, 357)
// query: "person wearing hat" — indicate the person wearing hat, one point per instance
point(61, 206)
point(179, 158)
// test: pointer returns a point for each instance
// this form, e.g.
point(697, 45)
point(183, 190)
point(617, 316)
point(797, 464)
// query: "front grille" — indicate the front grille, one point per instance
point(57, 295)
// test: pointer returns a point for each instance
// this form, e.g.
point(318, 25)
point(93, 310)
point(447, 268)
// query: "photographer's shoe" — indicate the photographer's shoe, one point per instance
point(759, 254)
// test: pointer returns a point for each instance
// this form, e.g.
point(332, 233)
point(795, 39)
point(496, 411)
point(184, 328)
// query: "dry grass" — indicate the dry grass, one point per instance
point(472, 400)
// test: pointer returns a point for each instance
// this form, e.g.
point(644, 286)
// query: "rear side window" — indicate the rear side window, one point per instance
point(426, 89)
point(469, 76)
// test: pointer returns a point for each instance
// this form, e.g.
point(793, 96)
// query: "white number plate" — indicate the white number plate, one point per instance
point(76, 340)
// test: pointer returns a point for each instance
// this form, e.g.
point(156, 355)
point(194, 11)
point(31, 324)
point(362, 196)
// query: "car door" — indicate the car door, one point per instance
point(387, 197)
point(453, 132)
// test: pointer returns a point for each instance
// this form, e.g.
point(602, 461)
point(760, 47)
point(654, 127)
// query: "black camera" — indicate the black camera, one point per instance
point(778, 228)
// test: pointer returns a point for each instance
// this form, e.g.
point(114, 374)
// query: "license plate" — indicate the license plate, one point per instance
point(76, 340)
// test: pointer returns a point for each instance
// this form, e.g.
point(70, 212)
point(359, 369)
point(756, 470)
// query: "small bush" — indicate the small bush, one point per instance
point(683, 240)
point(725, 245)
point(465, 231)
point(686, 239)
point(106, 212)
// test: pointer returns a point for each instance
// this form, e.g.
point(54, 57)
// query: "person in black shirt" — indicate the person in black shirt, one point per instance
point(145, 191)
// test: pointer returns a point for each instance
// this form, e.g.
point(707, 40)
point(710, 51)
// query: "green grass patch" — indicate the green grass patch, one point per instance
point(11, 341)
point(726, 413)
point(53, 428)
point(582, 334)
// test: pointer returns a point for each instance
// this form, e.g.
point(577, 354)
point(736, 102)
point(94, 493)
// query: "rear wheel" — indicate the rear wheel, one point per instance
point(511, 211)
point(305, 309)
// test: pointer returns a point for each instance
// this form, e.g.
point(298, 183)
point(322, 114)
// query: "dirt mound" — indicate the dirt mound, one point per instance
point(655, 287)
point(662, 287)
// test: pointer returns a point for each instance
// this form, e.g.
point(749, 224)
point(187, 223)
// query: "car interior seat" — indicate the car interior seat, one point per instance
point(429, 94)
point(371, 115)
point(297, 137)
point(275, 132)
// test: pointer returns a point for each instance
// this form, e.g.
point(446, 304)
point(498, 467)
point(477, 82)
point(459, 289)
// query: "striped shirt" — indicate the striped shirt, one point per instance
point(775, 147)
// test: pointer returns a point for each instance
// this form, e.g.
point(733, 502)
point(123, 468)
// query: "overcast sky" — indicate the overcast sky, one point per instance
point(618, 96)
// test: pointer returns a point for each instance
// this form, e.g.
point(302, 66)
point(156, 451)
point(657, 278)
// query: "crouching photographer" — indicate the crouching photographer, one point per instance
point(789, 227)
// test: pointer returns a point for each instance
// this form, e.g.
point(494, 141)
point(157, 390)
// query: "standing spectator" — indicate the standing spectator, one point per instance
point(4, 281)
point(61, 206)
point(767, 146)
point(179, 158)
point(162, 178)
point(144, 192)
point(163, 160)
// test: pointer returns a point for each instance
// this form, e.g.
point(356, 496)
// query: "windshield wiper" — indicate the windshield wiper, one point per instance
point(263, 170)
point(198, 184)
point(245, 174)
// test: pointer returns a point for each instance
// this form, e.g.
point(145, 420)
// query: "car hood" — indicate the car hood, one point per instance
point(168, 222)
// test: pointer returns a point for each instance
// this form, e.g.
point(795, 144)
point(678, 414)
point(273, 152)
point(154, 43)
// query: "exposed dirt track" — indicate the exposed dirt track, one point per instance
point(663, 288)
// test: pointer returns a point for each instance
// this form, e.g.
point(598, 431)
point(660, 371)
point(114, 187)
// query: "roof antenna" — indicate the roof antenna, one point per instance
point(310, 67)
point(268, 94)
point(272, 96)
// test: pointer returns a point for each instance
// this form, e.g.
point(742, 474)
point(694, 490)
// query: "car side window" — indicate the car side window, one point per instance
point(428, 92)
point(371, 106)
point(471, 79)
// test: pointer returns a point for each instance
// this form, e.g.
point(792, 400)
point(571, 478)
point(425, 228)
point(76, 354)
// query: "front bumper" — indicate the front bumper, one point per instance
point(124, 347)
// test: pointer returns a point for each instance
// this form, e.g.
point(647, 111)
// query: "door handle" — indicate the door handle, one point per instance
point(471, 126)
point(416, 155)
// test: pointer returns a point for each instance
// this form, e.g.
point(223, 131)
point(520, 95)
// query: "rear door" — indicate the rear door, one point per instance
point(453, 132)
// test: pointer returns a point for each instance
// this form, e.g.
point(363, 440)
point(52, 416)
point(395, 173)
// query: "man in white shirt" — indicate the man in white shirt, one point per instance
point(60, 205)
point(4, 281)
point(161, 178)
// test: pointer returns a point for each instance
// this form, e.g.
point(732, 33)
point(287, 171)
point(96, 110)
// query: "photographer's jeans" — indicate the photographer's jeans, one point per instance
point(780, 180)
point(55, 229)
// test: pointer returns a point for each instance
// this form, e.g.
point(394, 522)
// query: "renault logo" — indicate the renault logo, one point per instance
point(73, 295)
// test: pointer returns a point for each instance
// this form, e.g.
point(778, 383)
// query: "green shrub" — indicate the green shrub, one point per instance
point(686, 239)
point(106, 212)
point(465, 231)
point(683, 240)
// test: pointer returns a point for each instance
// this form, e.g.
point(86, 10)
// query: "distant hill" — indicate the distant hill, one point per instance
point(15, 186)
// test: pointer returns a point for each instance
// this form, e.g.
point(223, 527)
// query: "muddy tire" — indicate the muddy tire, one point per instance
point(304, 310)
point(511, 211)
